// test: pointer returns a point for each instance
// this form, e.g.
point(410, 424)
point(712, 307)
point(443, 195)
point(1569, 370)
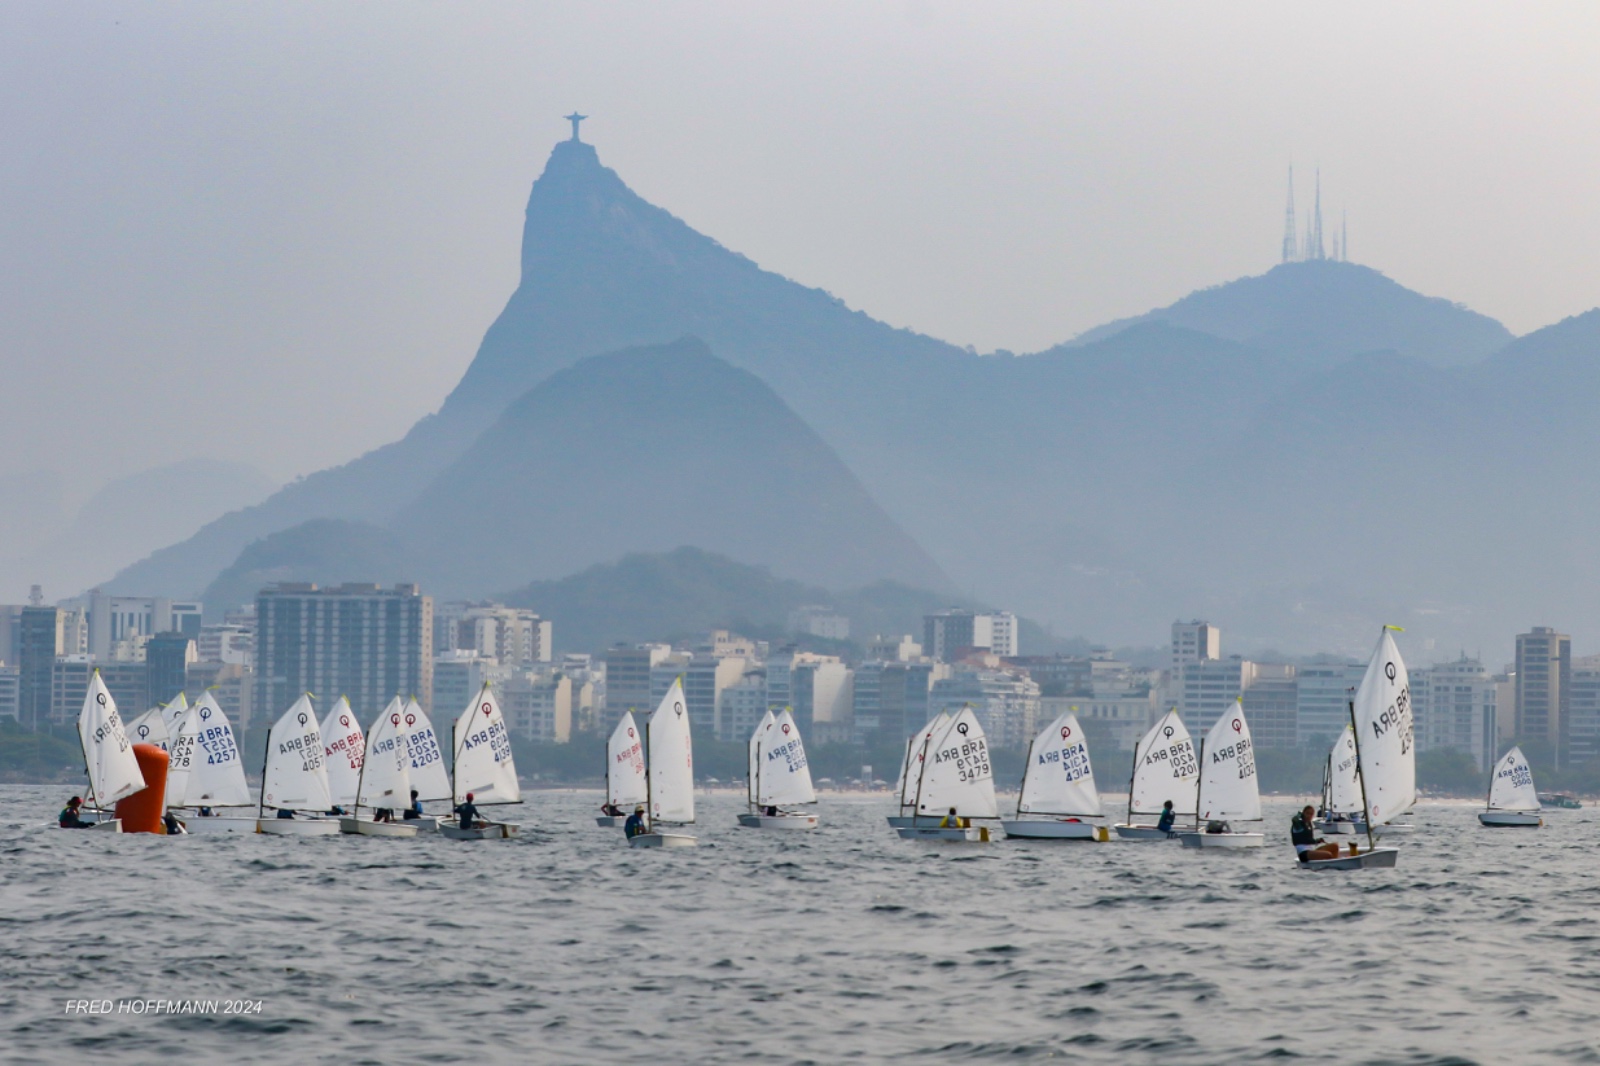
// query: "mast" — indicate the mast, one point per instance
point(917, 807)
point(1027, 768)
point(1132, 777)
point(649, 808)
point(755, 779)
point(1361, 777)
point(1488, 800)
point(1200, 780)
point(261, 793)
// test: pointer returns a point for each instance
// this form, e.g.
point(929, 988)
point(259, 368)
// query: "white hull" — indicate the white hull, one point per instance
point(781, 821)
point(976, 834)
point(1222, 840)
point(1143, 832)
point(298, 827)
point(663, 840)
point(492, 831)
point(109, 825)
point(909, 821)
point(1054, 829)
point(1359, 829)
point(367, 827)
point(610, 821)
point(428, 823)
point(1376, 859)
point(1518, 819)
point(216, 826)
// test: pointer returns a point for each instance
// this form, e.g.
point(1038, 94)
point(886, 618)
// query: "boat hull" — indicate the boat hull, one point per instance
point(428, 823)
point(781, 821)
point(492, 831)
point(972, 834)
point(1376, 859)
point(217, 826)
point(1511, 819)
point(1222, 840)
point(910, 821)
point(1359, 829)
point(610, 821)
point(663, 840)
point(1054, 829)
point(1143, 832)
point(298, 827)
point(367, 827)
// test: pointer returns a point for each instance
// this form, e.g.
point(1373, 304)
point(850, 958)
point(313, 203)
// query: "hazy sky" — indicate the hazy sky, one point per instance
point(276, 233)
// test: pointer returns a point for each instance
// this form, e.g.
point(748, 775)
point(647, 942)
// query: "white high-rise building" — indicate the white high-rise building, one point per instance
point(1454, 708)
point(1322, 701)
point(1194, 642)
point(948, 633)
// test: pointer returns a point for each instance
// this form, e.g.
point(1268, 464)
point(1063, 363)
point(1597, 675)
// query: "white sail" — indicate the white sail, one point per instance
point(428, 774)
point(148, 728)
point(296, 774)
point(1228, 785)
point(753, 758)
point(344, 746)
point(386, 767)
point(917, 757)
point(107, 752)
point(625, 786)
point(1344, 791)
point(174, 712)
point(181, 754)
point(1511, 787)
point(671, 760)
point(1164, 768)
point(785, 776)
point(1059, 778)
point(216, 773)
point(1384, 738)
point(483, 764)
point(956, 771)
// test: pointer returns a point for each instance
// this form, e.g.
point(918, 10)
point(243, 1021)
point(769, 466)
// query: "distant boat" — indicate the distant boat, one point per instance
point(344, 747)
point(1164, 768)
point(483, 766)
point(384, 783)
point(778, 776)
point(1562, 800)
point(626, 787)
point(108, 757)
point(956, 778)
point(1513, 801)
point(295, 776)
point(669, 775)
point(1341, 794)
point(216, 774)
point(1228, 791)
point(429, 778)
point(911, 773)
point(1058, 799)
point(1386, 757)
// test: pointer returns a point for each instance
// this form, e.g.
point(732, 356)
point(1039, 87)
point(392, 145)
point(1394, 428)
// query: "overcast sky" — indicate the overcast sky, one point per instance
point(276, 233)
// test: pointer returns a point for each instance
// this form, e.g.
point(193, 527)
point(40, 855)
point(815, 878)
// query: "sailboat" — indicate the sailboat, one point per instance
point(1386, 757)
point(483, 767)
point(625, 783)
point(669, 778)
point(429, 778)
point(911, 773)
point(1341, 794)
point(956, 776)
point(1228, 790)
point(344, 747)
point(1164, 768)
point(114, 772)
point(148, 728)
point(1513, 801)
point(216, 773)
point(1058, 796)
point(384, 782)
point(779, 776)
point(295, 776)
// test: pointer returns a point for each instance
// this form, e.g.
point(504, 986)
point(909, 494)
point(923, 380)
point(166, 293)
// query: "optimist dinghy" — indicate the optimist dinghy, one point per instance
point(429, 778)
point(1058, 800)
point(216, 774)
point(1164, 768)
point(956, 779)
point(625, 784)
point(484, 768)
point(1228, 791)
point(295, 776)
point(108, 757)
point(384, 783)
point(1513, 802)
point(778, 776)
point(911, 773)
point(1386, 757)
point(670, 778)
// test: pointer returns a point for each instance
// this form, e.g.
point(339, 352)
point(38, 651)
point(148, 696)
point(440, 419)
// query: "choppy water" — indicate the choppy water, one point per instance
point(844, 945)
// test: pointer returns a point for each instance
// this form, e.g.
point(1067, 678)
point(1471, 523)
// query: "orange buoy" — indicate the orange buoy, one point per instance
point(141, 812)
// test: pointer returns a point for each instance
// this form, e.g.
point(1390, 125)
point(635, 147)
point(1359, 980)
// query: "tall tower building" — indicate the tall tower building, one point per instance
point(1544, 680)
point(1194, 642)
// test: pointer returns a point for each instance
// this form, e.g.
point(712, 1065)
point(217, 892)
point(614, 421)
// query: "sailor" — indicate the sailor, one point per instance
point(69, 819)
point(1168, 816)
point(207, 812)
point(770, 811)
point(383, 814)
point(1307, 845)
point(415, 810)
point(952, 821)
point(1216, 825)
point(469, 814)
point(172, 825)
point(285, 812)
point(635, 824)
point(610, 809)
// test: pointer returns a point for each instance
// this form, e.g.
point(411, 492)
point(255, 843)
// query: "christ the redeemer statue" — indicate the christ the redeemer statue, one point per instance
point(575, 118)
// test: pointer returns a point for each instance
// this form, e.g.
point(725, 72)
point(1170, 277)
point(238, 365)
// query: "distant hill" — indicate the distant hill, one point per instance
point(324, 550)
point(1324, 311)
point(645, 450)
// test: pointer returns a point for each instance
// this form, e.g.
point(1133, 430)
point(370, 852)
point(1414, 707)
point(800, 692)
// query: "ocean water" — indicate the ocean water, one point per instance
point(846, 945)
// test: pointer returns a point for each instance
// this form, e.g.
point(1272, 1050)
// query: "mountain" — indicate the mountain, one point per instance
point(1325, 311)
point(644, 450)
point(328, 551)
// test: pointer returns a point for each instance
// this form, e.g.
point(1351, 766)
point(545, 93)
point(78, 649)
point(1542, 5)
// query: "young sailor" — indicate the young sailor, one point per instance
point(469, 814)
point(1307, 845)
point(953, 821)
point(68, 818)
point(635, 824)
point(415, 810)
point(1168, 816)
